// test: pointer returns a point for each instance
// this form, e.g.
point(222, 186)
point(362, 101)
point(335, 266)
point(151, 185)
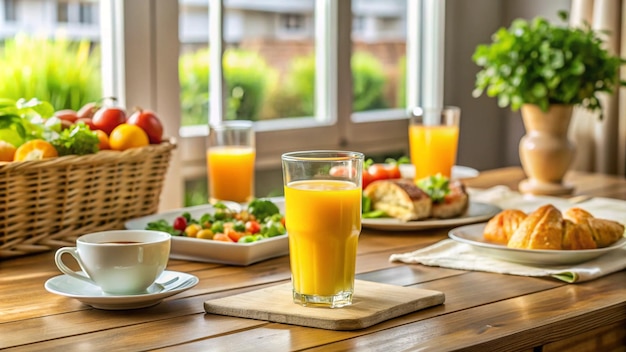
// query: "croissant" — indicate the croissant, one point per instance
point(542, 229)
point(574, 237)
point(548, 228)
point(500, 228)
point(603, 231)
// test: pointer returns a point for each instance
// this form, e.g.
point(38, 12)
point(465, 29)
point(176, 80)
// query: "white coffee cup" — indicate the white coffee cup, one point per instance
point(119, 261)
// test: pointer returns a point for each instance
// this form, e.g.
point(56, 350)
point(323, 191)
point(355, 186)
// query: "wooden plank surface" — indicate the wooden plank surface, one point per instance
point(372, 303)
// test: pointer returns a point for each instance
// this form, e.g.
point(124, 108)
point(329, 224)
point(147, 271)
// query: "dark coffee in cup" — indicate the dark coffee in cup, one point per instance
point(119, 261)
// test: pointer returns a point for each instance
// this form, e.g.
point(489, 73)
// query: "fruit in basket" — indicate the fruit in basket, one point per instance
point(68, 115)
point(7, 151)
point(89, 122)
point(104, 140)
point(36, 149)
point(109, 117)
point(87, 111)
point(127, 136)
point(149, 122)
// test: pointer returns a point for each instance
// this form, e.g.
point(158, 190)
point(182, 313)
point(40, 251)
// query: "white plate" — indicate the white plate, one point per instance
point(202, 250)
point(475, 213)
point(473, 235)
point(458, 172)
point(91, 295)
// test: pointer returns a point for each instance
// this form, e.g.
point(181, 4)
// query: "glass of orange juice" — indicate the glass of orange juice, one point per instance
point(230, 161)
point(433, 140)
point(323, 220)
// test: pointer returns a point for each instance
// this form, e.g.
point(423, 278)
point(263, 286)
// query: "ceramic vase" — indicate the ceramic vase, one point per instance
point(545, 150)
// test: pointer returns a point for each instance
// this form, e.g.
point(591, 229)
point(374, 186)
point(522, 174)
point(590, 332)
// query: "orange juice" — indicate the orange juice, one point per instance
point(433, 149)
point(323, 222)
point(231, 173)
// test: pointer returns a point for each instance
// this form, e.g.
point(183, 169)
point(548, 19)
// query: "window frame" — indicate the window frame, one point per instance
point(142, 39)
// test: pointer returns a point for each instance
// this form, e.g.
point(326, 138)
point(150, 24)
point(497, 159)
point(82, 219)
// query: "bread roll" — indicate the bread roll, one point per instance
point(399, 198)
point(454, 203)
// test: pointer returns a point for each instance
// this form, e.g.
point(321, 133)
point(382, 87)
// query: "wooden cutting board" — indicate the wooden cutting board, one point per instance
point(372, 303)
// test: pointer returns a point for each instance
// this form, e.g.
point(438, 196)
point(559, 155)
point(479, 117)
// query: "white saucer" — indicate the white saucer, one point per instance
point(89, 294)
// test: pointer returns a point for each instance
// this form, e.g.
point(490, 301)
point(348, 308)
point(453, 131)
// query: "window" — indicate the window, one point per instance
point(10, 10)
point(86, 13)
point(144, 44)
point(292, 22)
point(77, 12)
point(332, 124)
point(63, 12)
point(379, 56)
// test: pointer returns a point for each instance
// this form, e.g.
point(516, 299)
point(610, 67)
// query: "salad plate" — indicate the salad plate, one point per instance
point(473, 235)
point(204, 250)
point(93, 296)
point(476, 212)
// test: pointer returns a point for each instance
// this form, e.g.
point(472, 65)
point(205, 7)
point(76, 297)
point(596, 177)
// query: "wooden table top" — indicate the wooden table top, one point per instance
point(482, 311)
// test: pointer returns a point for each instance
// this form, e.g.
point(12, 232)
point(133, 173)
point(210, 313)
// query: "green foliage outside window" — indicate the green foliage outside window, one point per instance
point(368, 82)
point(247, 76)
point(63, 72)
point(255, 93)
point(368, 85)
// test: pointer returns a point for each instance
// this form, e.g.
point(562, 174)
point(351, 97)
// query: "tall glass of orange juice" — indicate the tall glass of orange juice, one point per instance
point(433, 140)
point(323, 220)
point(230, 161)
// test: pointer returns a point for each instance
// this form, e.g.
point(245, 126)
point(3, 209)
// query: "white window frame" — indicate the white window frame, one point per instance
point(142, 39)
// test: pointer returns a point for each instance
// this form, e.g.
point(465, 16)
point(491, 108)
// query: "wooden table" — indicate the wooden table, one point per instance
point(483, 311)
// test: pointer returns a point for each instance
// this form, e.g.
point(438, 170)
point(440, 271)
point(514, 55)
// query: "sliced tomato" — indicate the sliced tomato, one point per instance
point(377, 172)
point(253, 226)
point(393, 171)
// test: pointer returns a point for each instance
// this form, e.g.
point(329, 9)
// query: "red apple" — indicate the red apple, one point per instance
point(109, 117)
point(88, 110)
point(67, 115)
point(149, 122)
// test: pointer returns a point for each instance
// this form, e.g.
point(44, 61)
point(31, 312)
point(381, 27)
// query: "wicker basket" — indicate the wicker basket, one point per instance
point(47, 204)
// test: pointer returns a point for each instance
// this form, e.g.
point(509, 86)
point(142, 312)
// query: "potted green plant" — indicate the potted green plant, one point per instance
point(545, 70)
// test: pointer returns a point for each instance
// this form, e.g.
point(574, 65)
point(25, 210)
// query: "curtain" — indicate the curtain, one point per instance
point(601, 144)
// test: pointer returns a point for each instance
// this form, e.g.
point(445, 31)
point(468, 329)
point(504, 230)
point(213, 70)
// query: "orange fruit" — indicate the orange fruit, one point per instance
point(127, 136)
point(104, 140)
point(7, 151)
point(37, 149)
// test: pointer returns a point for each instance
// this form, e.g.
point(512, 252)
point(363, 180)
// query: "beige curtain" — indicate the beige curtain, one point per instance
point(601, 145)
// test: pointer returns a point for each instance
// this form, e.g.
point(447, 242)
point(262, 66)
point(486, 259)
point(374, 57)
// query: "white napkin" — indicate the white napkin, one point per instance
point(455, 255)
point(451, 254)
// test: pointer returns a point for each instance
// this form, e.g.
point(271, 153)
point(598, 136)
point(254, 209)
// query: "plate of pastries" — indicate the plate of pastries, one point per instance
point(407, 206)
point(545, 236)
